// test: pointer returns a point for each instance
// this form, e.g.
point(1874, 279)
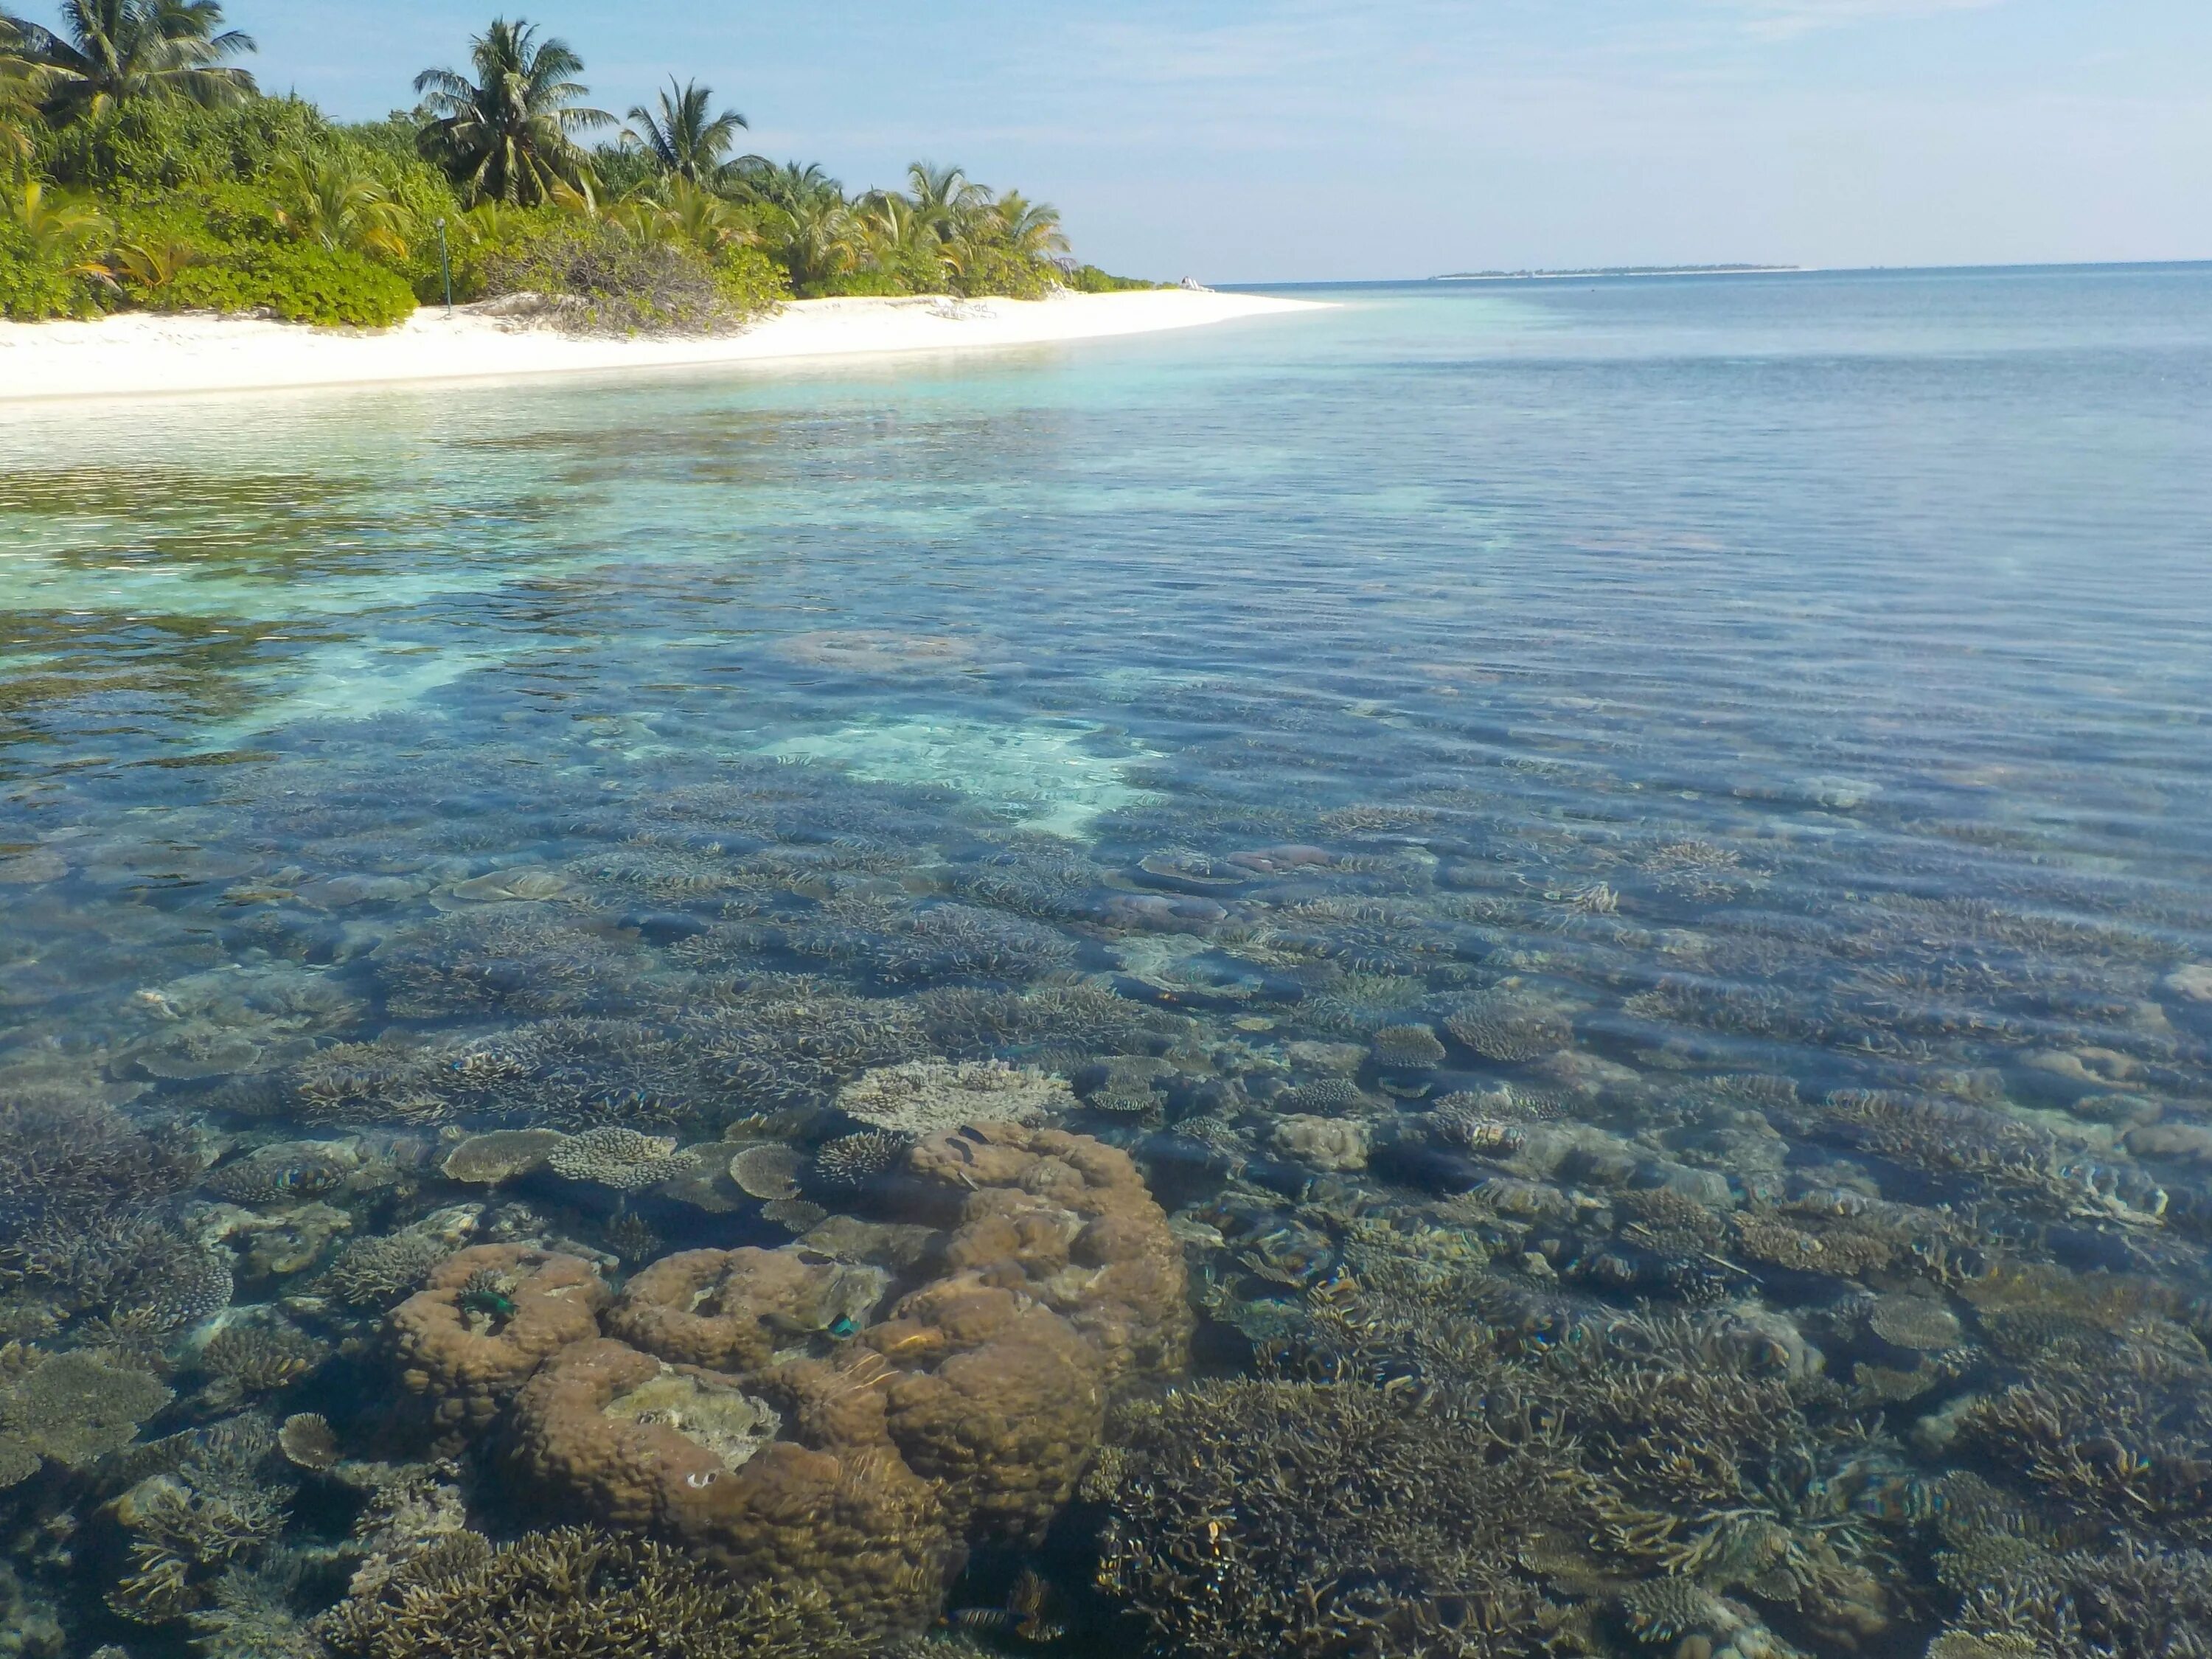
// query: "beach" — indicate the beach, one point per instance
point(141, 354)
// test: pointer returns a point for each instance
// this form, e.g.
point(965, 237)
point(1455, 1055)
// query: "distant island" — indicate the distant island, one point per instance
point(1610, 270)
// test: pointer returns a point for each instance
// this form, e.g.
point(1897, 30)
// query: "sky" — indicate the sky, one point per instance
point(1313, 140)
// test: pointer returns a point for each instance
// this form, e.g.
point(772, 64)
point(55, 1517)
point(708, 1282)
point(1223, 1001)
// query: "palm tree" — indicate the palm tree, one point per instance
point(815, 238)
point(66, 232)
point(509, 134)
point(23, 86)
point(944, 198)
point(899, 236)
point(683, 139)
point(756, 179)
point(342, 207)
point(1031, 229)
point(109, 51)
point(703, 218)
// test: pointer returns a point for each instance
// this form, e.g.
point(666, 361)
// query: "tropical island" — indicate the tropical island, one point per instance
point(146, 174)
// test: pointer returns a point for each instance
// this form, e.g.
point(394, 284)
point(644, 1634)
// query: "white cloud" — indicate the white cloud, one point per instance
point(1780, 19)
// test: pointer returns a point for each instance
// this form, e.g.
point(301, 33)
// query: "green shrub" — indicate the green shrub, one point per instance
point(300, 281)
point(1089, 279)
point(162, 144)
point(751, 281)
point(872, 284)
point(593, 277)
point(1005, 273)
point(35, 283)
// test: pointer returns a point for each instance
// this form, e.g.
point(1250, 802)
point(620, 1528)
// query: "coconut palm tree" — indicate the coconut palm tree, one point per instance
point(944, 198)
point(69, 233)
point(756, 179)
point(342, 207)
point(683, 139)
point(509, 134)
point(23, 86)
point(109, 51)
point(815, 238)
point(701, 217)
point(1031, 229)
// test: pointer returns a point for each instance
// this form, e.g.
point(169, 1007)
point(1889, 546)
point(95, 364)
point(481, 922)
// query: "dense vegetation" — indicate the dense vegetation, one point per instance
point(144, 168)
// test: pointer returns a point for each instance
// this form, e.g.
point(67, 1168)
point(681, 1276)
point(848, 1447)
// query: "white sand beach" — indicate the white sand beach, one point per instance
point(139, 354)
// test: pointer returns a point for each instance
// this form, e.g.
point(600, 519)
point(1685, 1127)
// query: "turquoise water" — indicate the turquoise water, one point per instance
point(1624, 819)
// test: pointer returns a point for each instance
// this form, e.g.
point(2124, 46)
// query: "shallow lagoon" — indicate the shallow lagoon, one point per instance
point(1629, 860)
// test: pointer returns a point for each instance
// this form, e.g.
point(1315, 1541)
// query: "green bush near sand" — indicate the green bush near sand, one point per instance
point(148, 173)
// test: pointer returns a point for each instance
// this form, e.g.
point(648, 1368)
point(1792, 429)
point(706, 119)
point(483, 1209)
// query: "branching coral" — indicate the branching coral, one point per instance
point(617, 1158)
point(1324, 1522)
point(518, 958)
point(64, 1153)
point(375, 1273)
point(2131, 1450)
point(2132, 1602)
point(935, 944)
point(570, 1592)
point(131, 1270)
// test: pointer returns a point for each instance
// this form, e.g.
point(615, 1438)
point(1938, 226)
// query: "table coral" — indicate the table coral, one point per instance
point(924, 1095)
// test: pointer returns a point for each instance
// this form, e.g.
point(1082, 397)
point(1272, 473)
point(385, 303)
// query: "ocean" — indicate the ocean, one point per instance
point(1614, 876)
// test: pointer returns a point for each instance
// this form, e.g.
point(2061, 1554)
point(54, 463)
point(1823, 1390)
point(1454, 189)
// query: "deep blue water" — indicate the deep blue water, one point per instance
point(1801, 678)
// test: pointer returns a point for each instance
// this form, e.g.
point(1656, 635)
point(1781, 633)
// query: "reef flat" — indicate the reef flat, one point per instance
point(855, 1046)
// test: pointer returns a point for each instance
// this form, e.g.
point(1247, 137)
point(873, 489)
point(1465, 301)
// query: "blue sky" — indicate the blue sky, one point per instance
point(1255, 140)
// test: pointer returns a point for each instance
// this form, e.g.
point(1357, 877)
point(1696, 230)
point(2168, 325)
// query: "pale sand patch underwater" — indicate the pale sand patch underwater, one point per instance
point(140, 354)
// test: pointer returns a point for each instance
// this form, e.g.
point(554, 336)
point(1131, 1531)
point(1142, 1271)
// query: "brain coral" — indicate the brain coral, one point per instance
point(729, 1310)
point(641, 1444)
point(726, 1411)
point(484, 1321)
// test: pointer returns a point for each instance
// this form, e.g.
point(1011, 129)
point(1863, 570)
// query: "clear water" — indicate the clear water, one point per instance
point(1795, 678)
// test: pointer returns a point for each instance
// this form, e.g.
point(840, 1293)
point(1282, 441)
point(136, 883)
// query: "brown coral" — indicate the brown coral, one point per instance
point(639, 1444)
point(726, 1411)
point(1068, 1220)
point(466, 1347)
point(726, 1309)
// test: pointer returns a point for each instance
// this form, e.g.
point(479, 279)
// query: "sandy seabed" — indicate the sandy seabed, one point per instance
point(140, 355)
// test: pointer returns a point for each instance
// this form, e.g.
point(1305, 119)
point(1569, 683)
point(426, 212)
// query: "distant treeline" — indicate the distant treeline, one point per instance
point(1607, 271)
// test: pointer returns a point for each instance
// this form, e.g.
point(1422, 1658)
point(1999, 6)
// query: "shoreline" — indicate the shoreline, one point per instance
point(145, 354)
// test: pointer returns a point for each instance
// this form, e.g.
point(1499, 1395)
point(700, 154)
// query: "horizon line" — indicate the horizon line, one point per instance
point(1717, 272)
